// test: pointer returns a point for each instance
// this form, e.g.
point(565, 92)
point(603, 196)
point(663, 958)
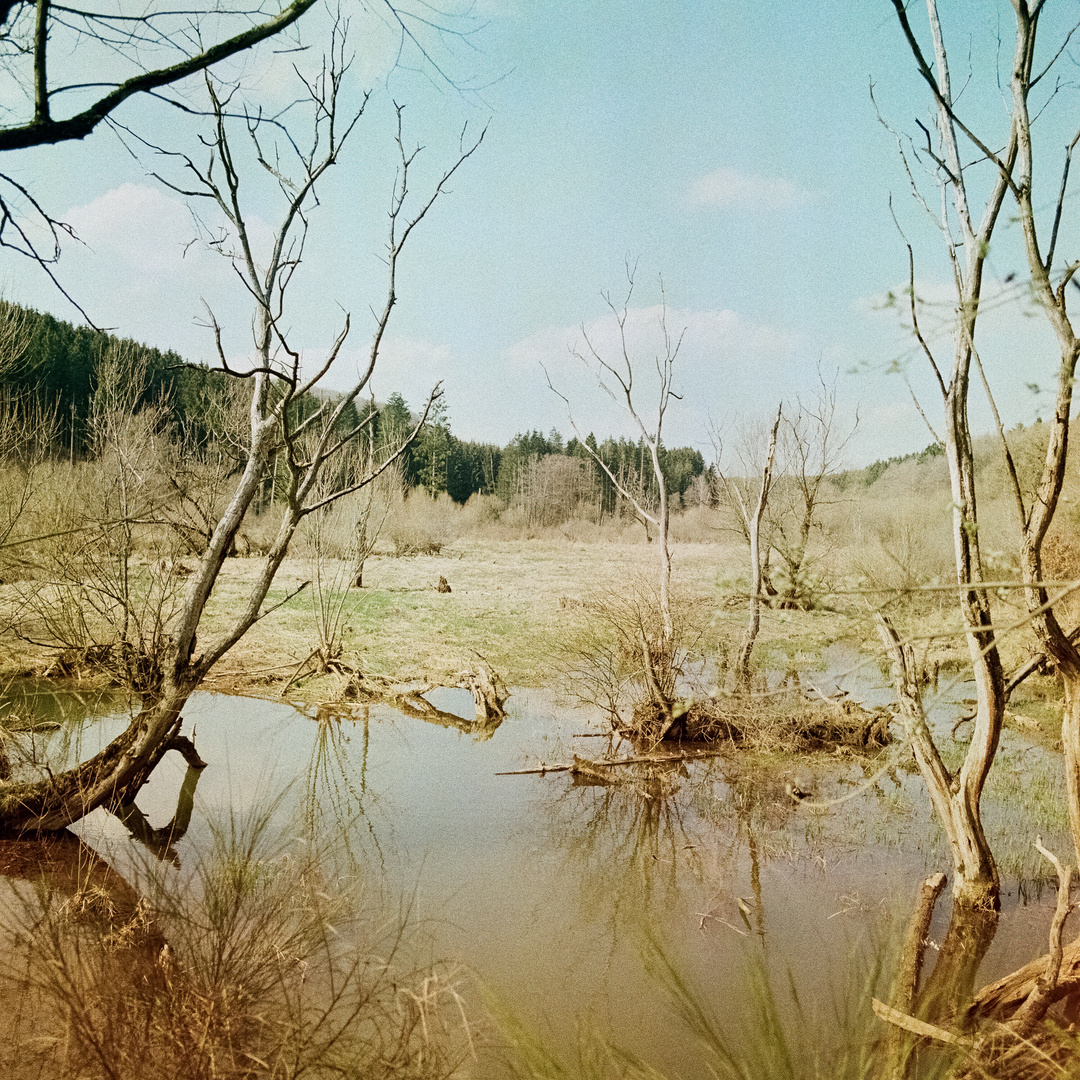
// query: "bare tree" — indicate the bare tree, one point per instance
point(1009, 158)
point(553, 488)
point(956, 796)
point(127, 50)
point(93, 594)
point(1048, 284)
point(616, 378)
point(307, 441)
point(811, 442)
point(25, 431)
point(751, 519)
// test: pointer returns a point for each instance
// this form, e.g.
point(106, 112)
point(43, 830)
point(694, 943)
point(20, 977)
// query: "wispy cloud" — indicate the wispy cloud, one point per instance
point(730, 189)
point(728, 364)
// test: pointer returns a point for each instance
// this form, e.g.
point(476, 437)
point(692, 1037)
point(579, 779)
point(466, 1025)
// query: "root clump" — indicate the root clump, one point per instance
point(785, 724)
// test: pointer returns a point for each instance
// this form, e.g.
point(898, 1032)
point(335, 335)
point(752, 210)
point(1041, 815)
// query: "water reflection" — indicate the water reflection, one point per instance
point(161, 842)
point(42, 726)
point(61, 866)
point(419, 707)
point(624, 840)
point(942, 997)
point(337, 796)
point(544, 885)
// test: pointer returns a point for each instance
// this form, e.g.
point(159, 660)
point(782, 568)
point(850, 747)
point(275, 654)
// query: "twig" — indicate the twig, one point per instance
point(299, 668)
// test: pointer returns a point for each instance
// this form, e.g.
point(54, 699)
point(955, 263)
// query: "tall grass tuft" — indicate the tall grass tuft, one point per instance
point(780, 1038)
point(776, 1037)
point(259, 962)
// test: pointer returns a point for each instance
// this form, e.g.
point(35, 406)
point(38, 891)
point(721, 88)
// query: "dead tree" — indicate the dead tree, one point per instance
point(616, 378)
point(751, 523)
point(1011, 159)
point(810, 445)
point(967, 241)
point(1048, 284)
point(128, 50)
point(306, 442)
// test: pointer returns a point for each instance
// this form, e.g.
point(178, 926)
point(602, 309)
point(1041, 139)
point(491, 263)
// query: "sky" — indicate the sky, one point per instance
point(731, 154)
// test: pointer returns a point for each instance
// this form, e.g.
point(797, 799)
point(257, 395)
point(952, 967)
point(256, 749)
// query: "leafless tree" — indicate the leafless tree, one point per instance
point(75, 66)
point(751, 518)
point(27, 434)
point(553, 488)
point(91, 592)
point(1049, 283)
point(306, 442)
point(616, 378)
point(954, 154)
point(810, 444)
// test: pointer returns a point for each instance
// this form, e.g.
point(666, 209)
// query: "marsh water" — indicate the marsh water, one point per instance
point(546, 890)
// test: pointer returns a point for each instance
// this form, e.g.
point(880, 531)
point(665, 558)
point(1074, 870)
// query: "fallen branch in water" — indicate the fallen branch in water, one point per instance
point(906, 984)
point(576, 764)
point(1053, 976)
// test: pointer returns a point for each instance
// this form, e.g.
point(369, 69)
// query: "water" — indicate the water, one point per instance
point(547, 890)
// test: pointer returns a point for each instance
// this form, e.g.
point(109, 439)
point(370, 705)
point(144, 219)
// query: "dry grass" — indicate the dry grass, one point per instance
point(515, 602)
point(263, 962)
point(519, 603)
point(519, 590)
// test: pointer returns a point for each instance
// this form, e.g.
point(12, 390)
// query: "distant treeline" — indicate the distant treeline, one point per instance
point(58, 369)
point(532, 463)
point(874, 471)
point(58, 364)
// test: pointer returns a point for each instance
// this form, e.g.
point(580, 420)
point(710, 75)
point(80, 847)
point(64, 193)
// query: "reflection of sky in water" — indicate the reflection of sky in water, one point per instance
point(545, 888)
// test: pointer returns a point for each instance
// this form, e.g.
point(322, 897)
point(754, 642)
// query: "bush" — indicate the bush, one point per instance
point(421, 525)
point(606, 665)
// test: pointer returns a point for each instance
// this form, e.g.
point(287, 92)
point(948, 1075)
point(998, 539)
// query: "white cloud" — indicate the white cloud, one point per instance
point(730, 189)
point(726, 365)
point(147, 229)
point(410, 366)
point(136, 270)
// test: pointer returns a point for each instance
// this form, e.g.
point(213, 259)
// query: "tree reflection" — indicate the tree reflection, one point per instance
point(642, 839)
point(946, 991)
point(336, 790)
point(161, 842)
point(628, 839)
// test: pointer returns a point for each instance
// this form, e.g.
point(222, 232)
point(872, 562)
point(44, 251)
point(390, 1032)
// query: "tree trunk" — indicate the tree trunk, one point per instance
point(899, 1043)
point(1070, 741)
point(107, 777)
point(753, 530)
point(955, 799)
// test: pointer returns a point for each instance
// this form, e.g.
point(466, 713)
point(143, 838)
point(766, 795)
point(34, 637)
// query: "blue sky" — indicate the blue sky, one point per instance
point(732, 149)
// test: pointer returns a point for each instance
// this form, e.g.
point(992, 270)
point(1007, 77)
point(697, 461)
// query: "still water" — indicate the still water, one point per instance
point(545, 889)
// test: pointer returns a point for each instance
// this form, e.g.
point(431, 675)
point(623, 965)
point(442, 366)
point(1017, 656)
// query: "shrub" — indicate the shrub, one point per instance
point(421, 525)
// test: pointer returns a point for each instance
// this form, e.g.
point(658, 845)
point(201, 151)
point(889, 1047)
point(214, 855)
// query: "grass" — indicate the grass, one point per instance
point(512, 601)
point(768, 1035)
point(265, 960)
point(519, 602)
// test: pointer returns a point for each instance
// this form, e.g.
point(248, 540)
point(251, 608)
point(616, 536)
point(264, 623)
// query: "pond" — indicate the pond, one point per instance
point(552, 892)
